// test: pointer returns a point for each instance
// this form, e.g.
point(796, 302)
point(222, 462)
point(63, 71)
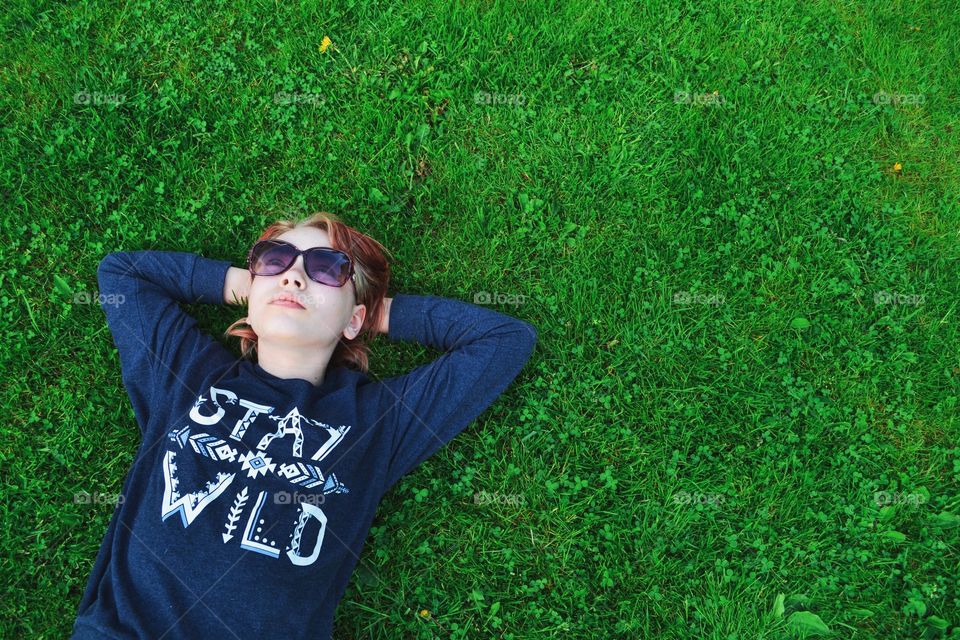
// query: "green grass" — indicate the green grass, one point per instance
point(674, 466)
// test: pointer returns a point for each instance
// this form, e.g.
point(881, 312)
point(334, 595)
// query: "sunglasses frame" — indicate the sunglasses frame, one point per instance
point(301, 252)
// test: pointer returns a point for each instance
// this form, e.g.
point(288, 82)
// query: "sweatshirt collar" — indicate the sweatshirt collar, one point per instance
point(331, 379)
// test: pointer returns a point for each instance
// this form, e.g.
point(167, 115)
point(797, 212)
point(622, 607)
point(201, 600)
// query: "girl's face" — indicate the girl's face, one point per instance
point(327, 313)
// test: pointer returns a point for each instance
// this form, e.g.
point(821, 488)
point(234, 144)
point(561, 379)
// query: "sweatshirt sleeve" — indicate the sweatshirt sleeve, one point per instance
point(428, 407)
point(157, 340)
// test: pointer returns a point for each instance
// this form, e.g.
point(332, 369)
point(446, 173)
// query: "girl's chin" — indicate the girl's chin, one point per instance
point(278, 330)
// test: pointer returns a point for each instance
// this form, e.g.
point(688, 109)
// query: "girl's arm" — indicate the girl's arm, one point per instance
point(484, 350)
point(157, 341)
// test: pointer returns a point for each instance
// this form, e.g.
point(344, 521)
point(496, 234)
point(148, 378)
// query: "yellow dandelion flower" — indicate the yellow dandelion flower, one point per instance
point(424, 613)
point(325, 44)
point(897, 166)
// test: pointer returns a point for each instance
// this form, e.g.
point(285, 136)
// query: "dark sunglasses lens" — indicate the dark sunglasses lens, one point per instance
point(271, 259)
point(328, 267)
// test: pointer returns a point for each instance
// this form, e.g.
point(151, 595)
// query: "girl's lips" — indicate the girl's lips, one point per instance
point(287, 303)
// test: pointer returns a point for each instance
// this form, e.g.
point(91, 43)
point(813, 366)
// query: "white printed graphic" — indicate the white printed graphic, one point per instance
point(336, 435)
point(199, 418)
point(235, 512)
point(190, 505)
point(220, 446)
point(289, 425)
point(303, 474)
point(286, 426)
point(255, 464)
point(253, 410)
point(252, 541)
point(212, 447)
point(307, 511)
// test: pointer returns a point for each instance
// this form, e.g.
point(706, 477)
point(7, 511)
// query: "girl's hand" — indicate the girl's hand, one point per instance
point(236, 286)
point(385, 321)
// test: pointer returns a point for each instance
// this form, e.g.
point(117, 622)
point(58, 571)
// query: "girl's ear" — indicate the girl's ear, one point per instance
point(356, 322)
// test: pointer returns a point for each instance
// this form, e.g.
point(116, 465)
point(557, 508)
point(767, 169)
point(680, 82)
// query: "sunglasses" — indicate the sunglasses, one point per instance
point(326, 266)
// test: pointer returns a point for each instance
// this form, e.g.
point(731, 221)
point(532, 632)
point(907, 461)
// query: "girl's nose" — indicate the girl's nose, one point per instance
point(295, 273)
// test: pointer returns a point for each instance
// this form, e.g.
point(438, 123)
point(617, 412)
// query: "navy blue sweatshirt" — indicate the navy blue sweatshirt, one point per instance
point(251, 496)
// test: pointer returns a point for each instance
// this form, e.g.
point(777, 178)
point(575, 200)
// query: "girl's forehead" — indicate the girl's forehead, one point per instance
point(306, 237)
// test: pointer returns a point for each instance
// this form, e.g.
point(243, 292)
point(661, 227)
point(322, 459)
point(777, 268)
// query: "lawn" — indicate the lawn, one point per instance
point(734, 225)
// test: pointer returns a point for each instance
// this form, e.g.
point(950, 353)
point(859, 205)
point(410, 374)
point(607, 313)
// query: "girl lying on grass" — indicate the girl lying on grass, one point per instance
point(257, 479)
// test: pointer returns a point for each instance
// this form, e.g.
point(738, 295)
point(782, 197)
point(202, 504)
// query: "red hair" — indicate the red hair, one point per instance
point(372, 273)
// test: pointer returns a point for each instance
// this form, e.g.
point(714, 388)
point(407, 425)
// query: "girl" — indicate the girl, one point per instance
point(256, 482)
